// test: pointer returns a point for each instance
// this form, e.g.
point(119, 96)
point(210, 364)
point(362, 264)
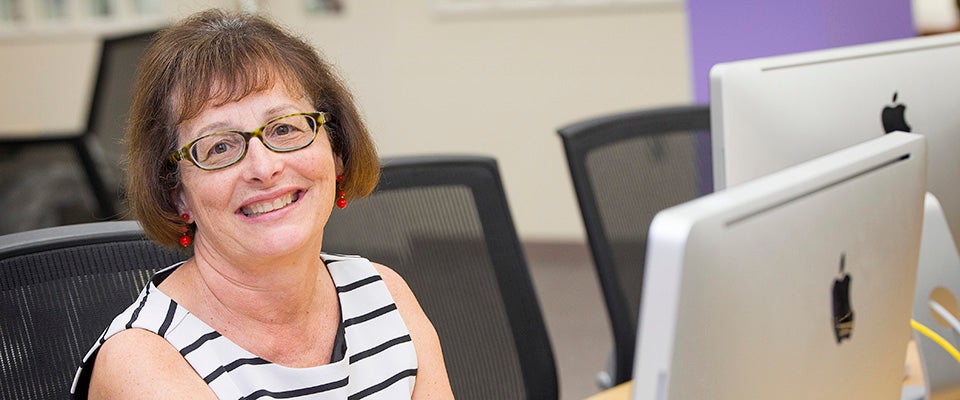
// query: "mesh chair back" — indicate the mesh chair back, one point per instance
point(110, 103)
point(59, 288)
point(443, 223)
point(626, 168)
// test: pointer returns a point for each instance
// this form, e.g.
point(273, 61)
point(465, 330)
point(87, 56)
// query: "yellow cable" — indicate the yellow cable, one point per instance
point(936, 338)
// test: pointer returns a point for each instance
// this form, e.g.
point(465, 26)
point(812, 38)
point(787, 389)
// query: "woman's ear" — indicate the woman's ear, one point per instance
point(180, 200)
point(338, 164)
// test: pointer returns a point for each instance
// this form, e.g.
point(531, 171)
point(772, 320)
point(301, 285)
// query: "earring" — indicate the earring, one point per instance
point(184, 237)
point(341, 200)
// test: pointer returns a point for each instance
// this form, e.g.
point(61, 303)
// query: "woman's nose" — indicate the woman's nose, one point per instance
point(262, 164)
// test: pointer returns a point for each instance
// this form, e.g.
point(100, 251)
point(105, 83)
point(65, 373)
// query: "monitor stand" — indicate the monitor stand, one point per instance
point(938, 280)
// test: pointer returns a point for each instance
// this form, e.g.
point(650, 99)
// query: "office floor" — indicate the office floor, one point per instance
point(35, 192)
point(573, 307)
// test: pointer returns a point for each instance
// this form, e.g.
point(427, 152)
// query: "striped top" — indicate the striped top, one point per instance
point(374, 357)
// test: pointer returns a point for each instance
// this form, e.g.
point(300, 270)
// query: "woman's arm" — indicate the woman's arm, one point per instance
point(432, 380)
point(138, 364)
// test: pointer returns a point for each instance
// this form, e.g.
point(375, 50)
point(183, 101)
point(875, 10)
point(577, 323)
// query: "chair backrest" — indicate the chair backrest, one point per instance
point(625, 168)
point(59, 288)
point(443, 223)
point(120, 54)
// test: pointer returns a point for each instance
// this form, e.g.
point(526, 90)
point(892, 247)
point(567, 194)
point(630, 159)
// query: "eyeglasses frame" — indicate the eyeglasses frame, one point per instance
point(183, 153)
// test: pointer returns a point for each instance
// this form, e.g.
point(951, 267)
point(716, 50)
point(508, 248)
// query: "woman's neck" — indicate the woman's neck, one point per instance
point(278, 292)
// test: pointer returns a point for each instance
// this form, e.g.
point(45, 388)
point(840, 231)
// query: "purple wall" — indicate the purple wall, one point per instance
point(727, 30)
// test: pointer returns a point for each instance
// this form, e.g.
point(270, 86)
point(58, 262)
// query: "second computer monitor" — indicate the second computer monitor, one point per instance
point(771, 113)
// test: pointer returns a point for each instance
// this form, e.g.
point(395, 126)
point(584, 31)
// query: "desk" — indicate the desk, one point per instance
point(913, 378)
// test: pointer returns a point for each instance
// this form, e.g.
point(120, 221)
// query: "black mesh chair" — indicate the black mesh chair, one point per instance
point(444, 224)
point(625, 168)
point(59, 289)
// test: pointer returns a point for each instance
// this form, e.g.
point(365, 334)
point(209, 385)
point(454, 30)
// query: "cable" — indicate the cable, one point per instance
point(946, 315)
point(936, 338)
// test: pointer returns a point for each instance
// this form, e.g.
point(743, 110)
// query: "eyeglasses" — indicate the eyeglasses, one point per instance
point(224, 148)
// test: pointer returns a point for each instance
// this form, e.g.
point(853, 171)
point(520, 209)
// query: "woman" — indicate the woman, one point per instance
point(241, 140)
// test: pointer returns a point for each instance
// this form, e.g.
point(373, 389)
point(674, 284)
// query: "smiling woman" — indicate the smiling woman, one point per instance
point(241, 140)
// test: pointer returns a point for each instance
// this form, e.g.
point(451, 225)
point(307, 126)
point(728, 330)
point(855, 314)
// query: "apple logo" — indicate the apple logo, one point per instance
point(842, 313)
point(893, 117)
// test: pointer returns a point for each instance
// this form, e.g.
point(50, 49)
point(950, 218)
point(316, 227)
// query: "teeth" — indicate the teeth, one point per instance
point(268, 206)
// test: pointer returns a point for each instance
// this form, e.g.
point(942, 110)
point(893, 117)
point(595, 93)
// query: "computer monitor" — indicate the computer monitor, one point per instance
point(797, 285)
point(771, 113)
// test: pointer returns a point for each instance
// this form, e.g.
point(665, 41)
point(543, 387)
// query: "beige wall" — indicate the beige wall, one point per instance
point(500, 84)
point(496, 84)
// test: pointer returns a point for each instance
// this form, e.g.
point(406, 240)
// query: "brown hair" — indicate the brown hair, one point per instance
point(213, 58)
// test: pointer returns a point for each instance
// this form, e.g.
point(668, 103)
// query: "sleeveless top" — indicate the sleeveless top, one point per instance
point(374, 357)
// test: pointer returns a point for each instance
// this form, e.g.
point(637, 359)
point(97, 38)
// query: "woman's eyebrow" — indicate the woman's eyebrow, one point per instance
point(282, 109)
point(212, 127)
point(272, 112)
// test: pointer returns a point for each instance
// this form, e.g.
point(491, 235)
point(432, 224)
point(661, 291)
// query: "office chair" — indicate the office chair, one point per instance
point(59, 289)
point(627, 167)
point(97, 146)
point(444, 224)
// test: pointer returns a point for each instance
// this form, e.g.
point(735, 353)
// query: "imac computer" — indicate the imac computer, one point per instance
point(770, 113)
point(774, 112)
point(796, 285)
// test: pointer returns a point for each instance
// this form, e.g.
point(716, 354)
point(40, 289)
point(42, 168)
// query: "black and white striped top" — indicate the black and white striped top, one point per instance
point(379, 360)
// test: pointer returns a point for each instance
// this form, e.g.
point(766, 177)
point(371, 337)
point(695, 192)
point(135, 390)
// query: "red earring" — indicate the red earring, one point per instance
point(185, 238)
point(341, 200)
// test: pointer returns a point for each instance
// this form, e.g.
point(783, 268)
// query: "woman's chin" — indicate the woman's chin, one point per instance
point(283, 243)
point(265, 244)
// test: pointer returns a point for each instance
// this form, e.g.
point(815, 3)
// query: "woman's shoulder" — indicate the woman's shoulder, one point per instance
point(150, 315)
point(393, 279)
point(139, 363)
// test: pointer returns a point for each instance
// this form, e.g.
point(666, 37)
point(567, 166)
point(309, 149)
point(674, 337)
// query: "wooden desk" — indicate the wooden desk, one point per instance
point(913, 377)
point(619, 392)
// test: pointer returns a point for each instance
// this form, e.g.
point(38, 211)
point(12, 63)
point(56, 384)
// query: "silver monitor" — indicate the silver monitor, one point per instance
point(796, 285)
point(774, 112)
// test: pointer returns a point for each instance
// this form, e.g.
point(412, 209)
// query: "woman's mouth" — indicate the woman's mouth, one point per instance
point(257, 209)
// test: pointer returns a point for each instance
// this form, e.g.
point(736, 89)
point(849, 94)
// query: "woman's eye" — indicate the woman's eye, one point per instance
point(220, 148)
point(282, 130)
